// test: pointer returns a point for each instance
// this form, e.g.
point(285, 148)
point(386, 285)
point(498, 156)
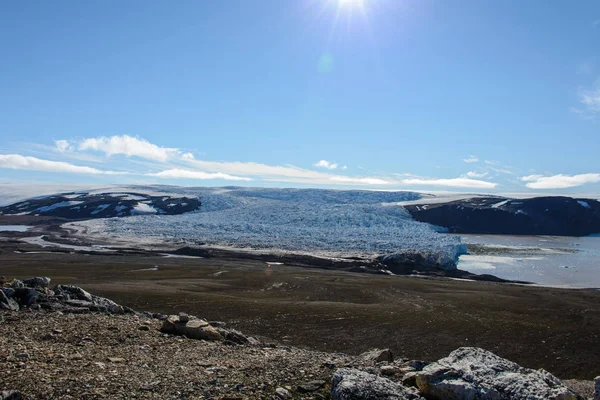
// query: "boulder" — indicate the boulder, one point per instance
point(378, 355)
point(193, 329)
point(10, 395)
point(8, 303)
point(352, 384)
point(17, 284)
point(104, 304)
point(72, 292)
point(38, 282)
point(26, 296)
point(473, 373)
point(597, 388)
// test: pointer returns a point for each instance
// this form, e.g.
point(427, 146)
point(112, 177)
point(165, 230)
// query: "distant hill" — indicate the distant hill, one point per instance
point(562, 216)
point(83, 205)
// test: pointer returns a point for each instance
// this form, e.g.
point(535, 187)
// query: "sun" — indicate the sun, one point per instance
point(351, 3)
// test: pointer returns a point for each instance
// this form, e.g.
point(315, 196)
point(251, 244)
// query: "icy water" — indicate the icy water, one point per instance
point(14, 228)
point(545, 260)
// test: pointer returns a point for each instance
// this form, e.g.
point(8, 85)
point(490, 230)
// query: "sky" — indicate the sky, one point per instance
point(460, 95)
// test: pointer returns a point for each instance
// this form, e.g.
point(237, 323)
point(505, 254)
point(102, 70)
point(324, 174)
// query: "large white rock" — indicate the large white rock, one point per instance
point(191, 328)
point(352, 384)
point(471, 373)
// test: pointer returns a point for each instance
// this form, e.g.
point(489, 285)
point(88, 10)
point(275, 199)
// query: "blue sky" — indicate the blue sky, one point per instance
point(467, 95)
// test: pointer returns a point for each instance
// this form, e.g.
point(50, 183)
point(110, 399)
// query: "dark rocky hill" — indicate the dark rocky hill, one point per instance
point(77, 206)
point(563, 216)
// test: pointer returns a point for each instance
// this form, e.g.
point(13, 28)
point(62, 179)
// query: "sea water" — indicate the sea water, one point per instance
point(545, 260)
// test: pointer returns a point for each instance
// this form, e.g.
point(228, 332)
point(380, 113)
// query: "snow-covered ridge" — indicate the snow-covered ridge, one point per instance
point(91, 204)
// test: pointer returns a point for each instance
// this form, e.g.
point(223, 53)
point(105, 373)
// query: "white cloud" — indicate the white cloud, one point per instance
point(187, 156)
point(17, 161)
point(590, 99)
point(471, 159)
point(128, 146)
point(62, 145)
point(326, 164)
point(559, 181)
point(473, 174)
point(453, 182)
point(187, 174)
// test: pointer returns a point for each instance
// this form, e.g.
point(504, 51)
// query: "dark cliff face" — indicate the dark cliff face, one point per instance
point(563, 216)
point(76, 206)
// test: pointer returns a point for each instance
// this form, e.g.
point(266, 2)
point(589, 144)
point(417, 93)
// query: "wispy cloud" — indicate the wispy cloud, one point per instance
point(590, 99)
point(366, 181)
point(473, 174)
point(326, 164)
point(187, 174)
point(559, 181)
point(128, 146)
point(452, 182)
point(17, 161)
point(471, 159)
point(62, 145)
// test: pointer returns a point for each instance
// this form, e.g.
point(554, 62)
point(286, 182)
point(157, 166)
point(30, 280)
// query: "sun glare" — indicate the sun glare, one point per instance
point(351, 3)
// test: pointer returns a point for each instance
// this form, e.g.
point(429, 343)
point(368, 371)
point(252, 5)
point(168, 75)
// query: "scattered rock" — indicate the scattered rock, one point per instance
point(283, 393)
point(352, 384)
point(474, 373)
point(378, 355)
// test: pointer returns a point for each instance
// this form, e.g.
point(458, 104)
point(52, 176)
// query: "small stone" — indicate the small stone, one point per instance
point(57, 331)
point(22, 355)
point(388, 370)
point(100, 365)
point(203, 364)
point(144, 328)
point(76, 356)
point(328, 364)
point(283, 393)
point(116, 360)
point(311, 386)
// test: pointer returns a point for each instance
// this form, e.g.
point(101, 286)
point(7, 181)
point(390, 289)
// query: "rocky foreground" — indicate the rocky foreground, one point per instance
point(63, 342)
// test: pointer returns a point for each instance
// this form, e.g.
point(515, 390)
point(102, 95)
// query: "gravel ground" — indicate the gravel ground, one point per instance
point(96, 356)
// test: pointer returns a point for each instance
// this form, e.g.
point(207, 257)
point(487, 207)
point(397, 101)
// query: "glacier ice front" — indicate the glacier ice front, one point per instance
point(329, 223)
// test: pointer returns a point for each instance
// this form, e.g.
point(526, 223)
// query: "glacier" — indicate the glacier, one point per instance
point(328, 223)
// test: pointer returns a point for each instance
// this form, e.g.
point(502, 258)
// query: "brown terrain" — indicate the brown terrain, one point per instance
point(337, 311)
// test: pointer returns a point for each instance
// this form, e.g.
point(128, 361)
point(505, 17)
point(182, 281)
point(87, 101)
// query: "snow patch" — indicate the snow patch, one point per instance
point(58, 205)
point(583, 204)
point(143, 208)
